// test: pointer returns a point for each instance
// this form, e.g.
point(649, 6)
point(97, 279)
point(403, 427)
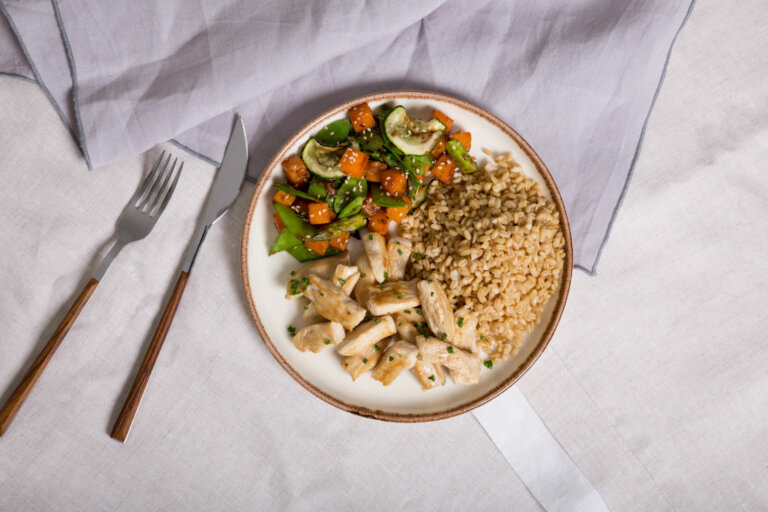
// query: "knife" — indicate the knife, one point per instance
point(226, 186)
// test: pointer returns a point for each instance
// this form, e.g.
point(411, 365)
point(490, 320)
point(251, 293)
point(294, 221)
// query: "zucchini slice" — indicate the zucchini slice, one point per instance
point(421, 196)
point(412, 136)
point(323, 161)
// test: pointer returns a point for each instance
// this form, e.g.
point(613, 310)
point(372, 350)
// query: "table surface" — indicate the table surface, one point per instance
point(654, 383)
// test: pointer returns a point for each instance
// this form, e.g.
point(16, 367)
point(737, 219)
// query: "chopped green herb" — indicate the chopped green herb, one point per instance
point(346, 364)
point(397, 242)
point(461, 321)
point(431, 294)
point(377, 348)
point(362, 276)
point(342, 281)
point(391, 358)
point(432, 378)
point(400, 324)
point(399, 295)
point(365, 360)
point(370, 237)
point(417, 255)
point(293, 272)
point(429, 281)
point(407, 311)
point(294, 287)
point(444, 336)
point(306, 308)
point(482, 337)
point(488, 364)
point(386, 276)
point(305, 281)
point(381, 286)
point(327, 342)
point(400, 252)
point(292, 331)
point(376, 320)
point(322, 294)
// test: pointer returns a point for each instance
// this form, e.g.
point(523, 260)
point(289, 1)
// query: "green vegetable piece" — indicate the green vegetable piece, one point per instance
point(382, 199)
point(317, 189)
point(295, 191)
point(284, 241)
point(488, 364)
point(352, 208)
point(349, 190)
point(460, 155)
point(334, 133)
point(298, 227)
point(302, 254)
point(371, 139)
point(345, 225)
point(421, 196)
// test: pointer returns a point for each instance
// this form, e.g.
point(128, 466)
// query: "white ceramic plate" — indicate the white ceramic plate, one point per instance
point(264, 280)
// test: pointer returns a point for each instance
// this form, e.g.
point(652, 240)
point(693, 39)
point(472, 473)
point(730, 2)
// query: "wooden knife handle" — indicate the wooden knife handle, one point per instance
point(18, 396)
point(125, 419)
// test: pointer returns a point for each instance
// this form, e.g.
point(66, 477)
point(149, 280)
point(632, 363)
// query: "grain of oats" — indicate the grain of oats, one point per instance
point(493, 242)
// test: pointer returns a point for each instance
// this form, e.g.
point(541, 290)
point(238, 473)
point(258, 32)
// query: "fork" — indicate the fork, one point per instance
point(137, 220)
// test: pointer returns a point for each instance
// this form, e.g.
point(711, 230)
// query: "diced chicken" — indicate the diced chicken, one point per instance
point(345, 277)
point(317, 337)
point(310, 314)
point(398, 251)
point(464, 367)
point(429, 374)
point(437, 310)
point(365, 335)
point(413, 315)
point(365, 281)
point(391, 297)
point(361, 363)
point(323, 267)
point(399, 357)
point(466, 330)
point(333, 304)
point(407, 330)
point(376, 249)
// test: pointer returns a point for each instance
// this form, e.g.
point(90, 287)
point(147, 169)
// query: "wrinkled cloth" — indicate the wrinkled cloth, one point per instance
point(576, 79)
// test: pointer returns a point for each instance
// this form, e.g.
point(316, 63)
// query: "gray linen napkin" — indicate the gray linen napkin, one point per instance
point(576, 79)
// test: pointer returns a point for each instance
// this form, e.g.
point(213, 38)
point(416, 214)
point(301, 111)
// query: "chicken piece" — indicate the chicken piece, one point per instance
point(376, 250)
point(391, 297)
point(399, 357)
point(429, 374)
point(407, 330)
point(437, 310)
point(366, 335)
point(398, 251)
point(345, 277)
point(333, 304)
point(316, 337)
point(323, 267)
point(466, 330)
point(464, 367)
point(365, 281)
point(413, 315)
point(361, 363)
point(310, 314)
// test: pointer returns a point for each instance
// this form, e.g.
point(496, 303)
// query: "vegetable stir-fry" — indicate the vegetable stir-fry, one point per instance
point(367, 171)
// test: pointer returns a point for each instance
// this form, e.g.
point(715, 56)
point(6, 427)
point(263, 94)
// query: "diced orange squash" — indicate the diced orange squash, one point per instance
point(398, 214)
point(373, 170)
point(369, 207)
point(379, 223)
point(464, 138)
point(444, 168)
point(317, 247)
point(353, 163)
point(284, 198)
point(361, 117)
point(279, 224)
point(393, 182)
point(439, 149)
point(340, 242)
point(295, 171)
point(319, 213)
point(447, 121)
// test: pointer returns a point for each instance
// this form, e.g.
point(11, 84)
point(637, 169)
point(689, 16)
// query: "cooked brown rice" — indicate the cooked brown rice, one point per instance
point(493, 240)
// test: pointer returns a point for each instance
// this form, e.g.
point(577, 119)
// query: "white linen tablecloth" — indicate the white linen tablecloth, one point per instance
point(654, 383)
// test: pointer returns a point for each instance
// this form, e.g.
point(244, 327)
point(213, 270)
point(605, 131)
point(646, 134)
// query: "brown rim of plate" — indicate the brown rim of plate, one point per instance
point(562, 291)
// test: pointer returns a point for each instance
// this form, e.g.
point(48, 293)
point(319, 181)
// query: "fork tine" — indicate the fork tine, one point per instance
point(147, 200)
point(145, 184)
point(169, 192)
point(162, 190)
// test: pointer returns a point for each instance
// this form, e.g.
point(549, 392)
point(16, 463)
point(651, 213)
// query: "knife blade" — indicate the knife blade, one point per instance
point(226, 186)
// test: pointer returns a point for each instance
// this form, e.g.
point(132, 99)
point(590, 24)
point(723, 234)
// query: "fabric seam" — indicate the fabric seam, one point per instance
point(73, 75)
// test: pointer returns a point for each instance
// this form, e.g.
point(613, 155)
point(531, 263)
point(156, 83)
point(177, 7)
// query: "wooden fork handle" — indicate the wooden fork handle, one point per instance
point(21, 392)
point(131, 405)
